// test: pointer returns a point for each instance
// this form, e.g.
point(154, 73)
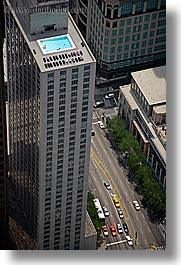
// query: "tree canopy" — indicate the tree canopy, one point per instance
point(143, 175)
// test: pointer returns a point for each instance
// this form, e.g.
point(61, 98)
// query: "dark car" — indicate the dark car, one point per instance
point(125, 227)
point(92, 132)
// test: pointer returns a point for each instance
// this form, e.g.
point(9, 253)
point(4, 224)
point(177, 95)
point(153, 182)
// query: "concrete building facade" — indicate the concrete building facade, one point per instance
point(51, 77)
point(142, 105)
point(126, 35)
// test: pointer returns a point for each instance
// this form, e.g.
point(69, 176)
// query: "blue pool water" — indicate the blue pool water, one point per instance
point(56, 44)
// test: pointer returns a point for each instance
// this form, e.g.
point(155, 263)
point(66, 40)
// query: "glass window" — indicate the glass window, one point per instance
point(128, 21)
point(105, 49)
point(106, 41)
point(126, 8)
point(127, 38)
point(120, 40)
point(154, 16)
point(113, 41)
point(162, 14)
point(139, 6)
point(112, 49)
point(153, 24)
point(114, 24)
point(152, 33)
point(152, 4)
point(121, 31)
point(119, 56)
point(112, 58)
point(150, 42)
point(114, 32)
point(125, 55)
point(107, 24)
point(149, 50)
point(145, 27)
point(126, 47)
point(107, 32)
point(128, 30)
point(144, 35)
point(119, 48)
point(147, 17)
point(121, 23)
point(75, 70)
point(143, 43)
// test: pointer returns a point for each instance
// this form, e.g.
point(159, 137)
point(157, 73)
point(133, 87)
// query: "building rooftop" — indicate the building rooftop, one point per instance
point(74, 52)
point(160, 109)
point(159, 139)
point(152, 83)
point(62, 51)
point(126, 90)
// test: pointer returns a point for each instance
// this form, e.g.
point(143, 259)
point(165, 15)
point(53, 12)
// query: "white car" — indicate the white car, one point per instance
point(107, 185)
point(105, 210)
point(129, 240)
point(101, 124)
point(136, 205)
point(119, 229)
point(110, 95)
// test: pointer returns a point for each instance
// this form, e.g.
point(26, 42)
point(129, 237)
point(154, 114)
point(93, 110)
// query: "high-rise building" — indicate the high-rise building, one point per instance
point(51, 77)
point(3, 147)
point(124, 35)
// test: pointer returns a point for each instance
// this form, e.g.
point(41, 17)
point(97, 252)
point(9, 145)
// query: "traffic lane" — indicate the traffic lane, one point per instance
point(139, 228)
point(105, 150)
point(114, 190)
point(105, 198)
point(98, 191)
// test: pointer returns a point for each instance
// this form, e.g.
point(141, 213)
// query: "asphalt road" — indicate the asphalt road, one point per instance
point(104, 166)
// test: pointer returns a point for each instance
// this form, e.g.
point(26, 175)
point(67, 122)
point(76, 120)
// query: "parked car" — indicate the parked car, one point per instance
point(98, 104)
point(104, 230)
point(110, 95)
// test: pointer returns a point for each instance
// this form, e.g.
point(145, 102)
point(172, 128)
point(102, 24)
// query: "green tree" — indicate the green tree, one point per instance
point(135, 160)
point(117, 129)
point(155, 197)
point(142, 173)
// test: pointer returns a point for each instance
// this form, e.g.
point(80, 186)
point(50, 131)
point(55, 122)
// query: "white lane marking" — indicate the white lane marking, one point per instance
point(136, 217)
point(143, 215)
point(149, 229)
point(141, 230)
point(146, 243)
point(126, 193)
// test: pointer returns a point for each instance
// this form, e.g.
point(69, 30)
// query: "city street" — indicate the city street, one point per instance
point(104, 166)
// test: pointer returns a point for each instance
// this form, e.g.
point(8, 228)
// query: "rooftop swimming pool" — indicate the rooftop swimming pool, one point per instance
point(56, 44)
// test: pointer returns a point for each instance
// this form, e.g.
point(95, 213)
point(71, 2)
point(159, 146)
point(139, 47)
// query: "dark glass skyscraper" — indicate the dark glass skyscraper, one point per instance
point(3, 150)
point(124, 35)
